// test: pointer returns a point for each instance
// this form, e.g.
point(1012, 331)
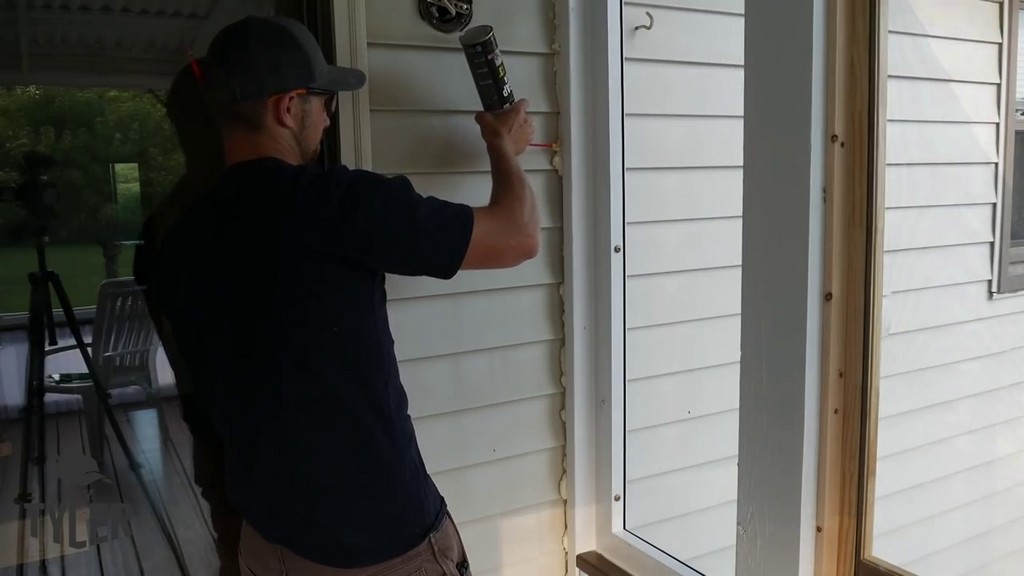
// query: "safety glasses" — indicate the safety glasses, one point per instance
point(330, 98)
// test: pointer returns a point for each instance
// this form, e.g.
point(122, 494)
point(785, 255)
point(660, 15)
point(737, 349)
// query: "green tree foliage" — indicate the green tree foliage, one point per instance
point(87, 131)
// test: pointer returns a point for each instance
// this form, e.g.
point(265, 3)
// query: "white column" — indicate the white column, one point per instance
point(783, 196)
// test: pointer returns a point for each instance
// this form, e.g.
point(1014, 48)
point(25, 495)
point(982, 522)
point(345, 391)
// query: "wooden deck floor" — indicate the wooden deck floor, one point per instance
point(140, 546)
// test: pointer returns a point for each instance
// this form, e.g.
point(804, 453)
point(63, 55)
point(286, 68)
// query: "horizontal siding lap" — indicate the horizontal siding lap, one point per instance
point(657, 87)
point(728, 6)
point(947, 344)
point(520, 26)
point(944, 305)
point(941, 101)
point(553, 562)
point(1003, 565)
point(671, 348)
point(676, 142)
point(503, 543)
point(912, 56)
point(940, 143)
point(546, 268)
point(678, 493)
point(984, 555)
point(474, 188)
point(472, 437)
point(658, 247)
point(421, 142)
point(966, 20)
point(455, 382)
point(665, 194)
point(927, 463)
point(935, 423)
point(646, 454)
point(719, 562)
point(466, 321)
point(934, 226)
point(904, 546)
point(682, 296)
point(694, 36)
point(932, 267)
point(706, 531)
point(401, 81)
point(948, 382)
point(936, 184)
point(496, 487)
point(682, 396)
point(948, 493)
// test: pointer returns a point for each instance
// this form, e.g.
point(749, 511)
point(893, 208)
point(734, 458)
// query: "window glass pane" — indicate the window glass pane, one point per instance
point(1016, 256)
point(1017, 218)
point(949, 478)
point(683, 208)
point(87, 150)
point(81, 166)
point(1020, 72)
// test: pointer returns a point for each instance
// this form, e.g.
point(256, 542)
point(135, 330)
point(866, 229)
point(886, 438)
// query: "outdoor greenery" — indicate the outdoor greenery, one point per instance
point(115, 156)
point(81, 268)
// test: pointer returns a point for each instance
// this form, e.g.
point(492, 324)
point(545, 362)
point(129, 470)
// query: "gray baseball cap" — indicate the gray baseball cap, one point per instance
point(261, 56)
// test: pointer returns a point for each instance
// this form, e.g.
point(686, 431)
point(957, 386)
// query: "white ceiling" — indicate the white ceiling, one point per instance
point(124, 43)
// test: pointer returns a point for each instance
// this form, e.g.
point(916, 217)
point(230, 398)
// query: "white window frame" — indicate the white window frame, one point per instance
point(353, 107)
point(782, 299)
point(1006, 283)
point(591, 134)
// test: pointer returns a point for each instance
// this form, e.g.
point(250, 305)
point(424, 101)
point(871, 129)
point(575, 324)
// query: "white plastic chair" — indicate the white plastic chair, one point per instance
point(124, 349)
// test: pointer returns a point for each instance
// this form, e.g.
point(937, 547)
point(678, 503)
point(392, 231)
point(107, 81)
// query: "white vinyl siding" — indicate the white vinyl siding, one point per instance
point(479, 354)
point(683, 144)
point(950, 477)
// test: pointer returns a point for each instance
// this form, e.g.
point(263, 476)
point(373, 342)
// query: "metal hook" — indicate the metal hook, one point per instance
point(646, 26)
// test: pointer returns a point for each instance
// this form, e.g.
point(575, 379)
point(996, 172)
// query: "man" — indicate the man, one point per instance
point(273, 284)
point(201, 146)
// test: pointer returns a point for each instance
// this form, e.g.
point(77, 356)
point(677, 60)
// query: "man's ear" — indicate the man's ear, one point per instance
point(285, 110)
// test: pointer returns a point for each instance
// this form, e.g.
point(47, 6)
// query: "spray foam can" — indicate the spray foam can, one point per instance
point(487, 68)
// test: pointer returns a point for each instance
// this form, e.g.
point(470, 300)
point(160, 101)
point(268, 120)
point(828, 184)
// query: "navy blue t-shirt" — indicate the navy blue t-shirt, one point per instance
point(273, 283)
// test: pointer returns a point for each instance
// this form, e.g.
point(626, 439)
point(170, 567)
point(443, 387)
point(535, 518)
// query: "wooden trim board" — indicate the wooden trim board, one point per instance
point(876, 567)
point(853, 100)
point(855, 221)
point(875, 211)
point(594, 564)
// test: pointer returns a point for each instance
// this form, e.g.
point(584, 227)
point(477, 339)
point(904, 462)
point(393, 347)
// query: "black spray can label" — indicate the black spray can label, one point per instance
point(487, 68)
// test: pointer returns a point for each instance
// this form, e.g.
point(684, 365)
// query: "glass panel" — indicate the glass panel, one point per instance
point(949, 482)
point(683, 208)
point(1016, 259)
point(86, 149)
point(1017, 218)
point(59, 168)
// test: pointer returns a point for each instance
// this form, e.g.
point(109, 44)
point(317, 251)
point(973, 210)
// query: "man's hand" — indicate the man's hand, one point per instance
point(506, 232)
point(508, 130)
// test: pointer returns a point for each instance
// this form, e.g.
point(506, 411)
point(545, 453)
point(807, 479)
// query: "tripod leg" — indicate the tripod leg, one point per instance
point(40, 459)
point(33, 422)
point(33, 384)
point(38, 360)
point(51, 326)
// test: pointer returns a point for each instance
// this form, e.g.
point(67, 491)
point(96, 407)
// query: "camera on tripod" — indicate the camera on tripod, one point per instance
point(34, 191)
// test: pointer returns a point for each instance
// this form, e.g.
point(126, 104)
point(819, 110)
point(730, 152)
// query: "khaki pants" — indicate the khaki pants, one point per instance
point(441, 554)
